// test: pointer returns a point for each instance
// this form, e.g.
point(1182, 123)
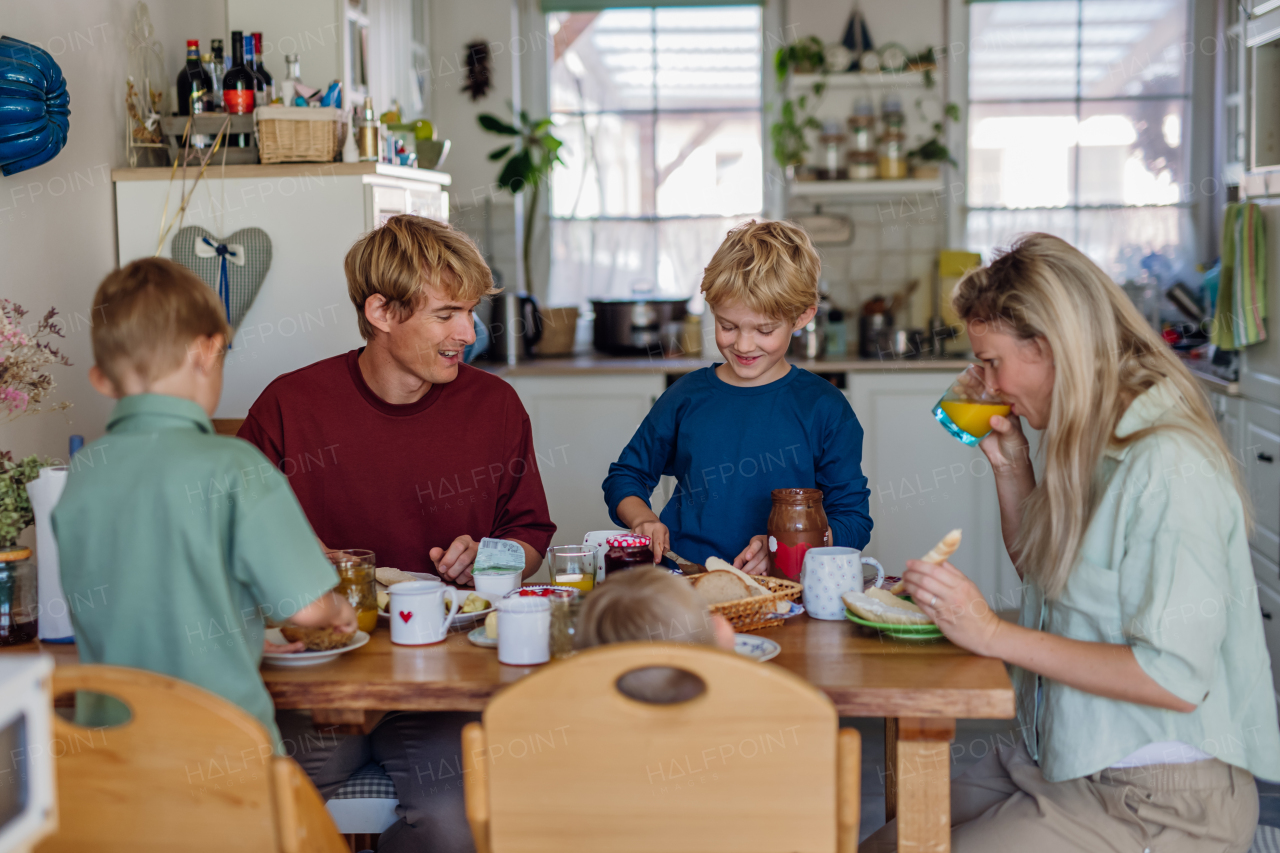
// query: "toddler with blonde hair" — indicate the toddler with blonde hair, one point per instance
point(733, 432)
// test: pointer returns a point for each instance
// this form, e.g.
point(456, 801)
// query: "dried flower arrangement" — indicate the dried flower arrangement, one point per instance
point(23, 383)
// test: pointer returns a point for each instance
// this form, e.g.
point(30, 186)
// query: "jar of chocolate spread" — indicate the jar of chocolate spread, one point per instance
point(796, 524)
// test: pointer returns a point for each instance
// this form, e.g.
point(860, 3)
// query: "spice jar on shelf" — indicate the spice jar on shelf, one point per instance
point(892, 149)
point(861, 159)
point(831, 148)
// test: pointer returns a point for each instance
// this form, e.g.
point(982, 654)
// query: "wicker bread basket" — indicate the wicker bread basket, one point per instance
point(299, 134)
point(753, 614)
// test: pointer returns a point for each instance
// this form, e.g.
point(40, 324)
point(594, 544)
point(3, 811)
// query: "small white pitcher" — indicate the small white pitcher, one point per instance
point(417, 611)
point(828, 573)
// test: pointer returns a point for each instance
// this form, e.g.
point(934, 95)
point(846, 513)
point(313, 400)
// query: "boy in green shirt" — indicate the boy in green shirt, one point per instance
point(187, 540)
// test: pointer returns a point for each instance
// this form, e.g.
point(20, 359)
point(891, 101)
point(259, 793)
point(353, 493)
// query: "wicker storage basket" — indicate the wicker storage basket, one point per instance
point(752, 614)
point(299, 134)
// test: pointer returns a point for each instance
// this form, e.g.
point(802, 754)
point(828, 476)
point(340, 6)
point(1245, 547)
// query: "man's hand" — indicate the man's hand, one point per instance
point(455, 564)
point(270, 648)
point(754, 559)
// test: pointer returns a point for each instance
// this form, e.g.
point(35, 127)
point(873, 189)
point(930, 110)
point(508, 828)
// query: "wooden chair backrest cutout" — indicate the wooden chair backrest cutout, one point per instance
point(189, 771)
point(750, 764)
point(227, 426)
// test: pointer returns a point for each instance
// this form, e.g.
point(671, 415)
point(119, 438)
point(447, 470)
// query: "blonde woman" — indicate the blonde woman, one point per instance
point(1144, 689)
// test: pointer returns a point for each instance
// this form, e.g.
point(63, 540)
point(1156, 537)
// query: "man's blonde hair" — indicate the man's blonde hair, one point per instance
point(145, 316)
point(398, 258)
point(643, 604)
point(770, 267)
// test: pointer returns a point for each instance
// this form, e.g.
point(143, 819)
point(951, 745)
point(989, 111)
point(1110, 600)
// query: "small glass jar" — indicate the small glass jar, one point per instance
point(356, 583)
point(862, 133)
point(892, 149)
point(626, 551)
point(565, 605)
point(19, 603)
point(831, 142)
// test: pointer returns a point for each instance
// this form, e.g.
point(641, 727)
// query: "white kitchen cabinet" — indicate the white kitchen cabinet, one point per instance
point(1270, 604)
point(923, 482)
point(1261, 458)
point(312, 213)
point(581, 424)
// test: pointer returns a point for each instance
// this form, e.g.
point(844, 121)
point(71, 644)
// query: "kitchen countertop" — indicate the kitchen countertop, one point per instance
point(599, 364)
point(284, 170)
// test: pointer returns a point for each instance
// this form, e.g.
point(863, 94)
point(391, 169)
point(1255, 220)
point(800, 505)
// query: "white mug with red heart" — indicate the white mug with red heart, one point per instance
point(417, 611)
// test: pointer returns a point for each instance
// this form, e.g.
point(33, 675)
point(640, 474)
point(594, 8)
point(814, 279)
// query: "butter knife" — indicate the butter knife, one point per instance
point(684, 565)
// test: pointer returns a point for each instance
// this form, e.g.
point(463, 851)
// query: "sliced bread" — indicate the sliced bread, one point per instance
point(317, 639)
point(717, 587)
point(754, 586)
point(388, 576)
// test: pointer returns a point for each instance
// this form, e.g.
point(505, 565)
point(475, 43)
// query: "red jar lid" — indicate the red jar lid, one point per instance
point(627, 540)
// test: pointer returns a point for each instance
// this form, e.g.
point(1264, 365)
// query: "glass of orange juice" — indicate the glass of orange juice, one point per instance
point(966, 409)
point(573, 565)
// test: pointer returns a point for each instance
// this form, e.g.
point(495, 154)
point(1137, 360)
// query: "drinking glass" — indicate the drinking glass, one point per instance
point(573, 565)
point(966, 409)
point(355, 581)
point(565, 604)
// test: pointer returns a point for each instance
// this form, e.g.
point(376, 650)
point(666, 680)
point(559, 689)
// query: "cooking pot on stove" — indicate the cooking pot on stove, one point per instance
point(634, 326)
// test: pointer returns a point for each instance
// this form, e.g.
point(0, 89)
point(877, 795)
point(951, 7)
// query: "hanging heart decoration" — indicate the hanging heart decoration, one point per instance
point(234, 266)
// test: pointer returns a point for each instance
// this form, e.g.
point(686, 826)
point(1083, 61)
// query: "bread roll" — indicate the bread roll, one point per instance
point(317, 639)
point(937, 555)
point(717, 587)
point(879, 605)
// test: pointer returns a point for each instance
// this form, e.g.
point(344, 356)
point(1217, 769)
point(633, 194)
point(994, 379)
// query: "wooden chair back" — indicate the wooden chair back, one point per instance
point(189, 771)
point(564, 760)
point(227, 426)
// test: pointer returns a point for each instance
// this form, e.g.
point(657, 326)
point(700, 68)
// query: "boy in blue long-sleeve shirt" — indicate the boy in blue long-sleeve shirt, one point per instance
point(733, 432)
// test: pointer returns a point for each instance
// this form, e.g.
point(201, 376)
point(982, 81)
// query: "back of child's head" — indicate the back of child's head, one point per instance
point(643, 604)
point(770, 267)
point(145, 316)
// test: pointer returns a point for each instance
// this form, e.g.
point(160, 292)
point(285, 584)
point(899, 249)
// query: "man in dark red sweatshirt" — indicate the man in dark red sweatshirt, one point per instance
point(402, 449)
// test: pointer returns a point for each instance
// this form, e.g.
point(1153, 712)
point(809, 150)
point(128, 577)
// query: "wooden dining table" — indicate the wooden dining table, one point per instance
point(920, 689)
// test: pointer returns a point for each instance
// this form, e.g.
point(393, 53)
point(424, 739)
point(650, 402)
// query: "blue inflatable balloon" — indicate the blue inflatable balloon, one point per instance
point(34, 107)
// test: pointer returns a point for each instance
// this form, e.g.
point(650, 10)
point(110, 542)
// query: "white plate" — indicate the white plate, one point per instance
point(759, 648)
point(462, 620)
point(308, 658)
point(478, 638)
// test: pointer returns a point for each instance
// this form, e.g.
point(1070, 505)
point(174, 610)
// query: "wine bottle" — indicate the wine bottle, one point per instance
point(217, 70)
point(250, 64)
point(238, 87)
point(195, 86)
point(260, 67)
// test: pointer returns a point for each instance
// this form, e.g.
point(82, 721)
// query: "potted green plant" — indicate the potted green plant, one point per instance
point(18, 594)
point(533, 154)
point(795, 116)
point(927, 158)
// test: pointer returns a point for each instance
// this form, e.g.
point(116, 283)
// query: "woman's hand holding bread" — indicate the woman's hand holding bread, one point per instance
point(954, 603)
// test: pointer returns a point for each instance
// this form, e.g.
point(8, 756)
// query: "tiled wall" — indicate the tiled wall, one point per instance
point(895, 241)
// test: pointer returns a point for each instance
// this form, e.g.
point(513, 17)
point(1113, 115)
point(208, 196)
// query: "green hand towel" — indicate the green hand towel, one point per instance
point(1242, 306)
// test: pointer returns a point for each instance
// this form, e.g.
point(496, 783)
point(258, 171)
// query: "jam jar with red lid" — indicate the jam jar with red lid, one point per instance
point(627, 550)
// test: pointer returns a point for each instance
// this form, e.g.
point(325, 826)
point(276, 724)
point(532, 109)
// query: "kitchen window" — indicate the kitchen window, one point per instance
point(1078, 126)
point(660, 113)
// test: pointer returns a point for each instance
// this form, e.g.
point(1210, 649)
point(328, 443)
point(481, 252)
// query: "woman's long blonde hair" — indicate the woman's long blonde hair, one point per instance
point(1104, 354)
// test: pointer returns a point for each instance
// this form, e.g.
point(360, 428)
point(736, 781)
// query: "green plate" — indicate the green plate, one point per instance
point(902, 632)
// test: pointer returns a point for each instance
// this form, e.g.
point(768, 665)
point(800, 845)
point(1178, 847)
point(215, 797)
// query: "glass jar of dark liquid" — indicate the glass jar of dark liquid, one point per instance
point(18, 602)
point(627, 550)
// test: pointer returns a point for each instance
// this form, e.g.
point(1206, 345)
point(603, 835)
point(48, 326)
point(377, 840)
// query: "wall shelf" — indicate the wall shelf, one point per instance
point(858, 80)
point(863, 189)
